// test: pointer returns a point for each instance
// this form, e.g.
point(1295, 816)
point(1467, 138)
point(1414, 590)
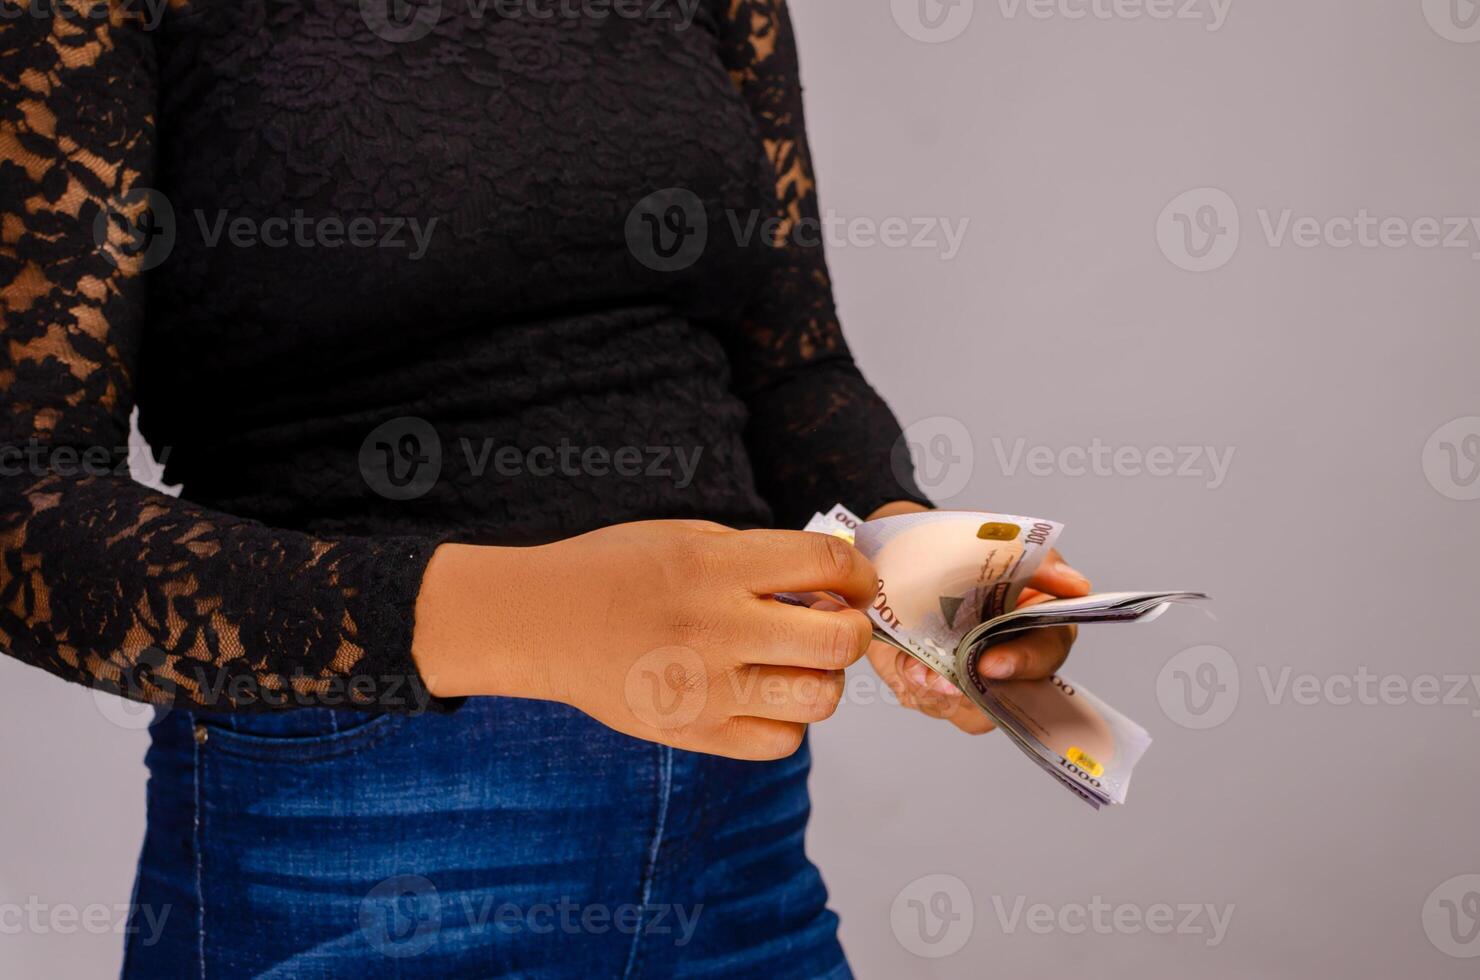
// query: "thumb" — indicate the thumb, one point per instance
point(1058, 578)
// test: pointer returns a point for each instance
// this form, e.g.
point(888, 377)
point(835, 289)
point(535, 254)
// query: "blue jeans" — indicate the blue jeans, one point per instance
point(509, 839)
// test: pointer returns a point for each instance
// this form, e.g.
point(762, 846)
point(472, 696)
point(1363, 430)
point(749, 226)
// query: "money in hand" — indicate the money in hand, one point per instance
point(949, 582)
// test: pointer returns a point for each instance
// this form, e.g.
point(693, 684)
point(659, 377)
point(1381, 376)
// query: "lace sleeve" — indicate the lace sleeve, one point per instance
point(819, 434)
point(103, 581)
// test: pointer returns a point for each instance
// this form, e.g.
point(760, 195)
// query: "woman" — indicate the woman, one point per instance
point(459, 325)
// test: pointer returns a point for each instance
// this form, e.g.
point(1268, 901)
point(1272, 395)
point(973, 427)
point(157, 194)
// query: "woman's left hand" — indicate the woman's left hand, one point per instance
point(1037, 654)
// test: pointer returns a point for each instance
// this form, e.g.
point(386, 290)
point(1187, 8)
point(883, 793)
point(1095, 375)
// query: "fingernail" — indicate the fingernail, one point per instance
point(940, 685)
point(998, 667)
point(829, 605)
point(1064, 568)
point(915, 673)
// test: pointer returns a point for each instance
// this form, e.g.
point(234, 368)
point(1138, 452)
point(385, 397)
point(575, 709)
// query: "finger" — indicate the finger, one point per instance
point(922, 689)
point(1057, 577)
point(927, 697)
point(826, 637)
point(972, 720)
point(802, 561)
point(761, 739)
point(1032, 656)
point(793, 694)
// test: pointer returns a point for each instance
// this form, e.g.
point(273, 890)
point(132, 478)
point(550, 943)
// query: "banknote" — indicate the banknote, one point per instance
point(949, 584)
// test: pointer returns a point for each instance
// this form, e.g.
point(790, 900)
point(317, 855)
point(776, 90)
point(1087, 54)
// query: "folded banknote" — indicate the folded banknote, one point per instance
point(949, 583)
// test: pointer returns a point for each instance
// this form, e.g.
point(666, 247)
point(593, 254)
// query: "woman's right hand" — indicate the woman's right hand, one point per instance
point(663, 630)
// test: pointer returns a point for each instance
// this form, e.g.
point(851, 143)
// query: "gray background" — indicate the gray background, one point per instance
point(1325, 828)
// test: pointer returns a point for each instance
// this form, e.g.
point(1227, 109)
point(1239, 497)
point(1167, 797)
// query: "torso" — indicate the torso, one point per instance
point(495, 163)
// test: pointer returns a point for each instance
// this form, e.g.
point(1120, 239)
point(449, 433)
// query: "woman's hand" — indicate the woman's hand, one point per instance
point(1036, 654)
point(662, 630)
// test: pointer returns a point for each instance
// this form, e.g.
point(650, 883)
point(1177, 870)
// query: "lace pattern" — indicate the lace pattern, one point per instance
point(108, 583)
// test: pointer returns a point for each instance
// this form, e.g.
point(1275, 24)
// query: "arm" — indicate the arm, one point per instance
point(110, 584)
point(103, 581)
point(818, 433)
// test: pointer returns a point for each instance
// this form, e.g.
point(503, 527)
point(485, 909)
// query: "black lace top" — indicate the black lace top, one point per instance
point(379, 275)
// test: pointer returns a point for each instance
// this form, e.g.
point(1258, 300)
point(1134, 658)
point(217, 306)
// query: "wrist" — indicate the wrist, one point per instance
point(478, 614)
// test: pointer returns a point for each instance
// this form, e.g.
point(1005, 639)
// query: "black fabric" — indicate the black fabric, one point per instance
point(510, 170)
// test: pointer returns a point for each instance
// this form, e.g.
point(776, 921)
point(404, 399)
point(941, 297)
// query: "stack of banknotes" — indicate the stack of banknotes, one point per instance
point(949, 583)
